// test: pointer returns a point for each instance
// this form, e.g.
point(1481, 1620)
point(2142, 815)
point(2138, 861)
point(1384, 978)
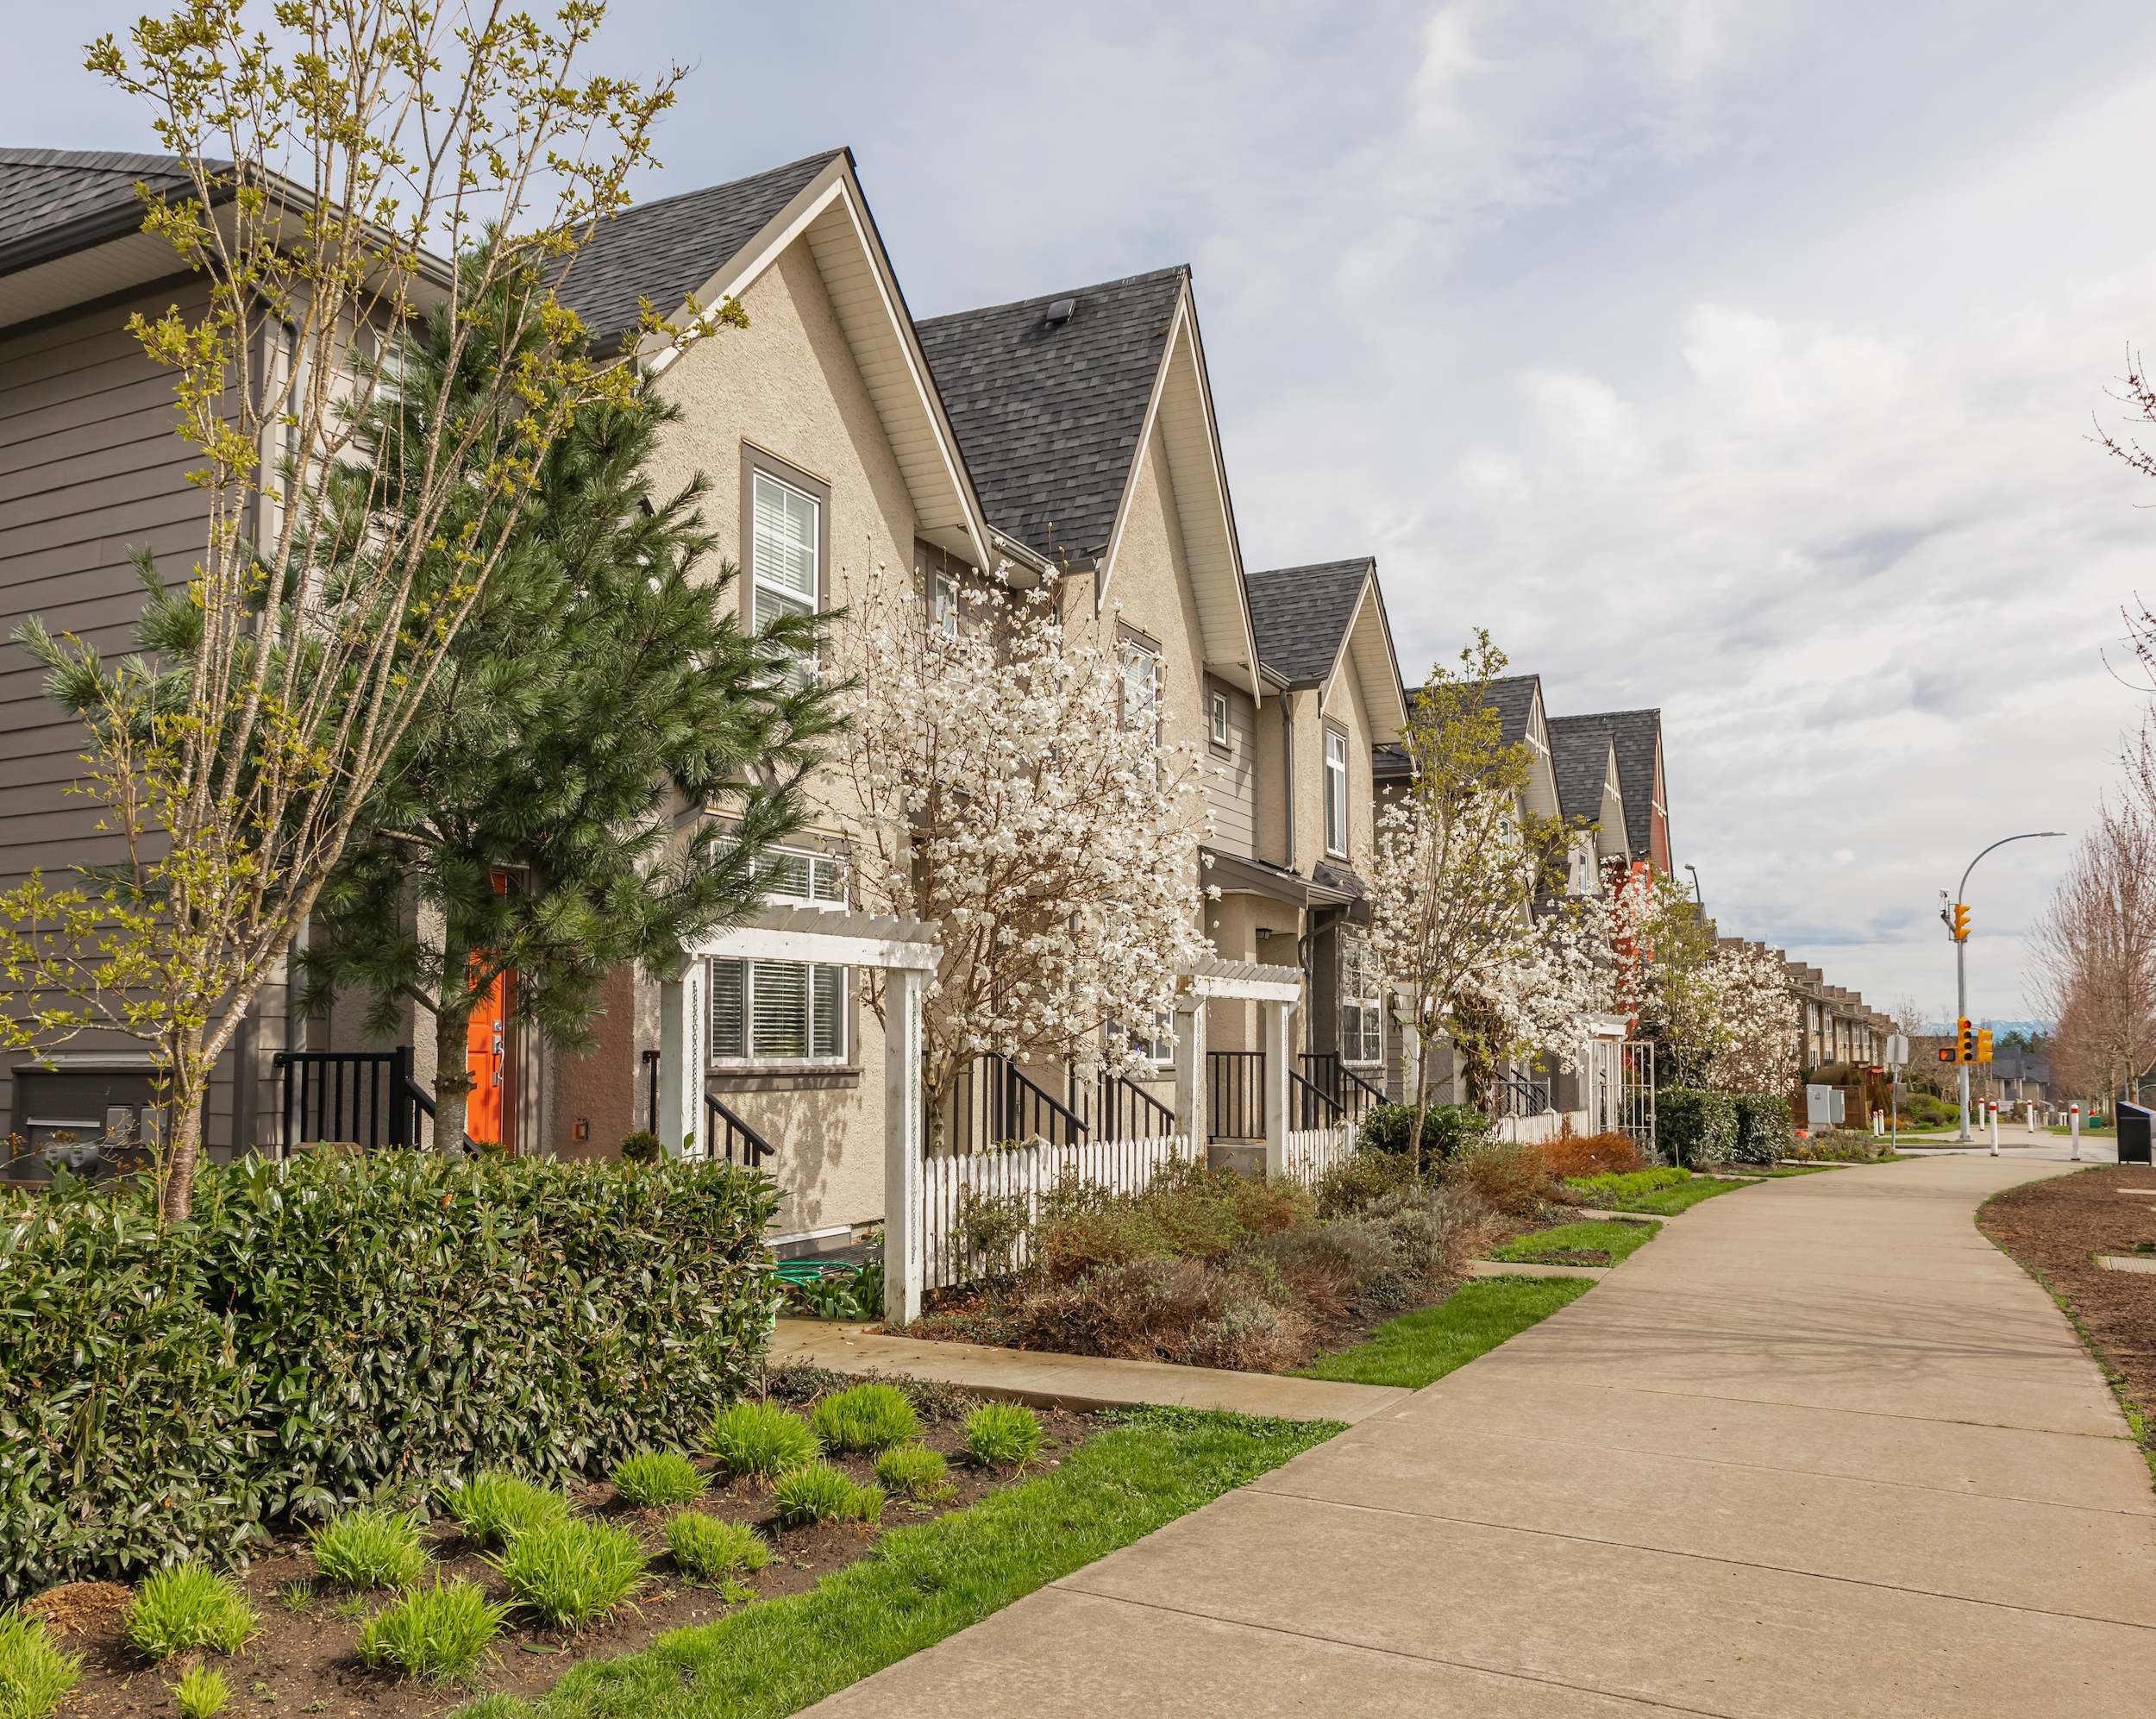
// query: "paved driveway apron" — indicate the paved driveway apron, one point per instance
point(1819, 1449)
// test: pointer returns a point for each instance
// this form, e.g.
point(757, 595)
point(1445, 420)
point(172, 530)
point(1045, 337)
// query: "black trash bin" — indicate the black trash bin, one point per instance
point(2133, 1127)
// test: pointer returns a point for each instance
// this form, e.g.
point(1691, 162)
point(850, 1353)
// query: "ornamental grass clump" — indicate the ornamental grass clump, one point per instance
point(34, 1673)
point(1003, 1435)
point(186, 1607)
point(760, 1440)
point(369, 1548)
point(203, 1693)
point(439, 1633)
point(711, 1549)
point(657, 1479)
point(917, 1472)
point(572, 1571)
point(870, 1417)
point(819, 1493)
point(494, 1507)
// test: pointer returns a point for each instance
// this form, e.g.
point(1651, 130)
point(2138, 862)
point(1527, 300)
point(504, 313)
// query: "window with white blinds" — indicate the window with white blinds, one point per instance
point(799, 877)
point(788, 530)
point(778, 1011)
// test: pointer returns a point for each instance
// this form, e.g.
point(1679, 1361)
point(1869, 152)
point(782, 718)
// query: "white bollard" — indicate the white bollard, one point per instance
point(1991, 1111)
point(2074, 1123)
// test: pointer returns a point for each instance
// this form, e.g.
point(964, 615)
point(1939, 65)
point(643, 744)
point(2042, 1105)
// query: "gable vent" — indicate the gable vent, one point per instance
point(1061, 312)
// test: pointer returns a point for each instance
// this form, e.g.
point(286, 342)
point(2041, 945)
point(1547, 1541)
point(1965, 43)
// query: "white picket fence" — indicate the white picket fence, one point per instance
point(993, 1197)
point(1312, 1151)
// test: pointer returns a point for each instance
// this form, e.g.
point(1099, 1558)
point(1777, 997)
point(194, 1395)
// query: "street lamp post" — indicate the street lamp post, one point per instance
point(1961, 960)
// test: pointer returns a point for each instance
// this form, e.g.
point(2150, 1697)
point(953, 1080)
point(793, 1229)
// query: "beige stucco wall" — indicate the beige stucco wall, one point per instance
point(789, 385)
point(1340, 702)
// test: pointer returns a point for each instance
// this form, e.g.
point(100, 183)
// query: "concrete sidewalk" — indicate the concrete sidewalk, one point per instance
point(1820, 1450)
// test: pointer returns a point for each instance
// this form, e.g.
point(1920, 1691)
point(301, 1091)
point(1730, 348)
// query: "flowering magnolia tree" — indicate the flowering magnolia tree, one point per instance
point(1006, 793)
point(1455, 870)
point(1755, 1033)
point(1721, 1014)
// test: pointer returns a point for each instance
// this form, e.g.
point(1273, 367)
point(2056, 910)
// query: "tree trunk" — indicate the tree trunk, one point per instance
point(453, 1045)
point(183, 1125)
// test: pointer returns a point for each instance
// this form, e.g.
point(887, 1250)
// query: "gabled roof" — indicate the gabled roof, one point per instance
point(665, 251)
point(1638, 735)
point(1580, 753)
point(53, 201)
point(1514, 697)
point(1301, 615)
point(1049, 414)
point(714, 244)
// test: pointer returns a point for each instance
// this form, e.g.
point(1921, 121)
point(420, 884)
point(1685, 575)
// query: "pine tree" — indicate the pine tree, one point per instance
point(604, 691)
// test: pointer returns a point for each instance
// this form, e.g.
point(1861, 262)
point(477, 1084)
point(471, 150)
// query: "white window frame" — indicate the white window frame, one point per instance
point(1219, 720)
point(942, 604)
point(1367, 1003)
point(814, 1013)
point(825, 896)
point(1336, 793)
point(779, 591)
point(1157, 1044)
point(1131, 655)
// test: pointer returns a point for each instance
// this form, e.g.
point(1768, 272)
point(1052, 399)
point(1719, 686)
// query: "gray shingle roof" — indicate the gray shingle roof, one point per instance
point(1638, 734)
point(1579, 758)
point(1300, 615)
point(1048, 414)
point(666, 250)
point(53, 201)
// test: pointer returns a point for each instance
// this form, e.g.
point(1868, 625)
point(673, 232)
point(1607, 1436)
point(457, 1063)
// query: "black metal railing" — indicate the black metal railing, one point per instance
point(1355, 1095)
point(1235, 1094)
point(993, 1102)
point(735, 1135)
point(366, 1098)
point(1121, 1109)
point(1516, 1095)
point(1310, 1104)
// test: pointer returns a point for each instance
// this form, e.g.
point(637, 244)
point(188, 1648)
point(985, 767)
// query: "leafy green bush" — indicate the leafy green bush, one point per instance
point(494, 1506)
point(187, 1606)
point(1600, 1188)
point(369, 1548)
point(1359, 1178)
point(870, 1417)
point(657, 1479)
point(820, 1493)
point(917, 1472)
point(439, 1632)
point(1003, 1435)
point(202, 1693)
point(711, 1549)
point(350, 1327)
point(572, 1571)
point(1447, 1130)
point(1764, 1130)
point(1697, 1128)
point(1188, 1212)
point(34, 1673)
point(642, 1147)
point(1507, 1175)
point(760, 1440)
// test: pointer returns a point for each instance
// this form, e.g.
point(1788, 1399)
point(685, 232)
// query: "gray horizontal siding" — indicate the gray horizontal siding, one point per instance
point(1231, 782)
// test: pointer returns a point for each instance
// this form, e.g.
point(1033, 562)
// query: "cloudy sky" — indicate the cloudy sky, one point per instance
point(1732, 356)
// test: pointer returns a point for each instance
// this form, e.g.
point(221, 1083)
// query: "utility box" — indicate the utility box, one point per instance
point(1824, 1107)
point(87, 1117)
point(2133, 1129)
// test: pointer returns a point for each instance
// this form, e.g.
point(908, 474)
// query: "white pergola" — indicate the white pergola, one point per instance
point(1280, 989)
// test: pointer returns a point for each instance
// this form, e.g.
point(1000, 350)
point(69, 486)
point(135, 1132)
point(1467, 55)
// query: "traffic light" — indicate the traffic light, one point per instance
point(1959, 925)
point(1965, 1040)
point(1946, 1053)
point(1984, 1045)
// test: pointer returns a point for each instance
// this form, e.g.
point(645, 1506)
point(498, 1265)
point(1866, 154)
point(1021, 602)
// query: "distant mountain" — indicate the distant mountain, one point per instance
point(2000, 1028)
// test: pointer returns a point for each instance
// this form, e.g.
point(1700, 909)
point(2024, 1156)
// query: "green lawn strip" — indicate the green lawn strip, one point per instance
point(921, 1583)
point(1589, 1236)
point(1418, 1348)
point(1667, 1202)
point(1770, 1172)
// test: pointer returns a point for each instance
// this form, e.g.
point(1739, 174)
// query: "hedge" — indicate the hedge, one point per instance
point(1699, 1128)
point(1764, 1130)
point(344, 1327)
point(1447, 1129)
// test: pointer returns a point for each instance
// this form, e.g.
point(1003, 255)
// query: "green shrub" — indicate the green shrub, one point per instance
point(1618, 1187)
point(711, 1549)
point(917, 1472)
point(1697, 1128)
point(1447, 1130)
point(187, 1606)
point(1359, 1178)
point(494, 1506)
point(870, 1417)
point(657, 1479)
point(642, 1147)
point(760, 1440)
point(1188, 1212)
point(202, 1693)
point(1764, 1130)
point(932, 1400)
point(369, 1548)
point(819, 1493)
point(572, 1571)
point(439, 1633)
point(1507, 1175)
point(351, 1328)
point(34, 1673)
point(1003, 1435)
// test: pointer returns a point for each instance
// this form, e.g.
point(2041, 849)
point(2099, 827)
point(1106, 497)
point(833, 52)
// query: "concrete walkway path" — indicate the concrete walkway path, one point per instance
point(1819, 1449)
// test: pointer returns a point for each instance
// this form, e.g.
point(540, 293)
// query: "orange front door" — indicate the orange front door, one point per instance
point(488, 1113)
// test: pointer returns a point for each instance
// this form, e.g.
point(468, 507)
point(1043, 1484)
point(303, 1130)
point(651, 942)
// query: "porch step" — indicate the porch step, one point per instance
point(1050, 1380)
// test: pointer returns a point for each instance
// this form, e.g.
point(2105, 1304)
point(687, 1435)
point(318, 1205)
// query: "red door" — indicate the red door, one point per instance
point(489, 1114)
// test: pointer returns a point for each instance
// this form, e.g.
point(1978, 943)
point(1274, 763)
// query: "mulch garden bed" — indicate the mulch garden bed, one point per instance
point(303, 1661)
point(2056, 1228)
